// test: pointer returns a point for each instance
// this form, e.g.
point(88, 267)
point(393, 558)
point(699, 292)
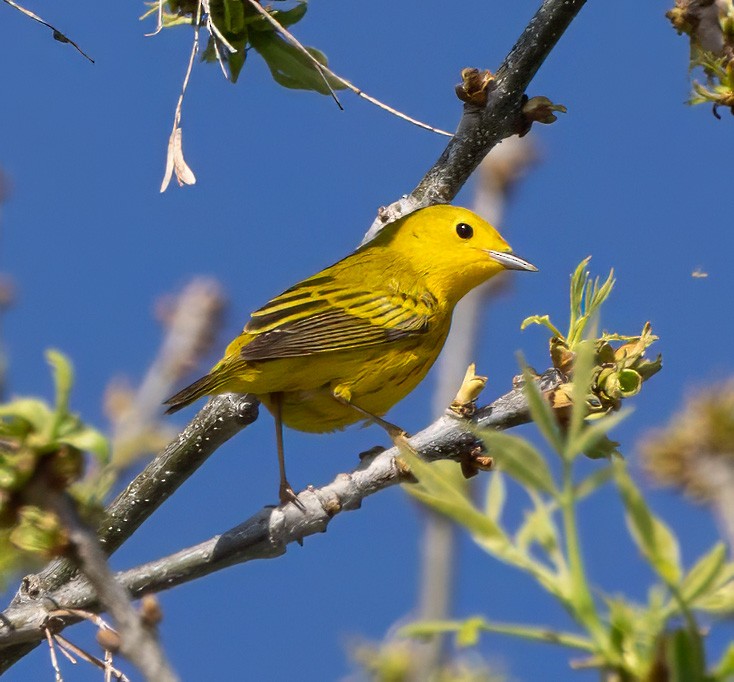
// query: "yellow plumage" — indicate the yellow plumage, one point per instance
point(360, 335)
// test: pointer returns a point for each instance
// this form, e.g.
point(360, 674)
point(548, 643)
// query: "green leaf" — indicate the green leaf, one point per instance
point(543, 321)
point(428, 628)
point(541, 411)
point(538, 528)
point(704, 573)
point(603, 448)
point(290, 67)
point(592, 482)
point(653, 538)
point(724, 669)
point(16, 469)
point(236, 60)
point(468, 633)
point(583, 373)
point(720, 601)
point(496, 496)
point(621, 624)
point(292, 16)
point(440, 494)
point(88, 439)
point(234, 16)
point(477, 624)
point(33, 411)
point(684, 656)
point(63, 374)
point(39, 531)
point(578, 282)
point(586, 299)
point(285, 18)
point(520, 460)
point(630, 383)
point(595, 433)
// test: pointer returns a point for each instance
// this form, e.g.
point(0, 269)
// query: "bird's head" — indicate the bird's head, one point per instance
point(453, 249)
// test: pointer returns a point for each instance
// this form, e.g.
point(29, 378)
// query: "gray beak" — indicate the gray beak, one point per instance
point(510, 261)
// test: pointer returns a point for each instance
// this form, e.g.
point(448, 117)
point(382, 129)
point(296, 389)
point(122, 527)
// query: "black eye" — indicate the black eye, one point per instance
point(464, 231)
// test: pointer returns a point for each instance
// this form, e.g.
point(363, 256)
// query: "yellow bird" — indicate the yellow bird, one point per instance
point(349, 342)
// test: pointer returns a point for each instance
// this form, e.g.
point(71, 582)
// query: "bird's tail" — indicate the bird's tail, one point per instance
point(205, 386)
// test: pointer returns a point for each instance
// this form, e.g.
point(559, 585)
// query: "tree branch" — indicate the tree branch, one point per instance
point(268, 533)
point(483, 127)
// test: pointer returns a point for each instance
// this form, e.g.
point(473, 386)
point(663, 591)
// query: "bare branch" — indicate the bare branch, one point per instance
point(58, 35)
point(483, 127)
point(268, 533)
point(66, 647)
point(54, 659)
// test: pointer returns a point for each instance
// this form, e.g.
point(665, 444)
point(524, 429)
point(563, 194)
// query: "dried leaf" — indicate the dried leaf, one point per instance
point(175, 162)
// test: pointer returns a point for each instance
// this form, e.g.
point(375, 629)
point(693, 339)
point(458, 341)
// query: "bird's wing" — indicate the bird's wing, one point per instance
point(320, 315)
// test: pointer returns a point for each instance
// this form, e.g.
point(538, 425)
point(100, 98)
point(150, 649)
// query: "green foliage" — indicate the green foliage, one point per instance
point(612, 367)
point(719, 89)
point(709, 26)
point(40, 443)
point(236, 27)
point(656, 640)
point(397, 660)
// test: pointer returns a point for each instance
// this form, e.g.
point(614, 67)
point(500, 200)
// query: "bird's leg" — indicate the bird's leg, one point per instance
point(285, 492)
point(397, 435)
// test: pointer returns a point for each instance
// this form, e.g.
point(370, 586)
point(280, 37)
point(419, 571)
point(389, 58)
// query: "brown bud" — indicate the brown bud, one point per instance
point(109, 640)
point(150, 610)
point(475, 86)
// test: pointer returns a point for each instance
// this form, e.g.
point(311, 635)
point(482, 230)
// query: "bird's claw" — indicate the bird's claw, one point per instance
point(287, 495)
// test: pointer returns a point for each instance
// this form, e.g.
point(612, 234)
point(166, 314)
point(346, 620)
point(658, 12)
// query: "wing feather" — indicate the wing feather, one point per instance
point(318, 315)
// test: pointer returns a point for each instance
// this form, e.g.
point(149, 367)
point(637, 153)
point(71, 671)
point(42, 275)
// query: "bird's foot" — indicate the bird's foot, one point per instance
point(287, 495)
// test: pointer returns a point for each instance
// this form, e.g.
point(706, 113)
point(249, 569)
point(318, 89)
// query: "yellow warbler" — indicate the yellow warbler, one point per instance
point(352, 340)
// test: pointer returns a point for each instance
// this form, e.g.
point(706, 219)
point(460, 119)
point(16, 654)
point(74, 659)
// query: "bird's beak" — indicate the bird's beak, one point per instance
point(510, 261)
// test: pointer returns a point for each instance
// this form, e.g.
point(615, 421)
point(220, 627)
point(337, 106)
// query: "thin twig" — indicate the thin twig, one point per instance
point(63, 650)
point(108, 667)
point(294, 41)
point(268, 533)
point(58, 35)
point(86, 656)
point(159, 22)
point(326, 71)
point(217, 37)
point(386, 107)
point(54, 659)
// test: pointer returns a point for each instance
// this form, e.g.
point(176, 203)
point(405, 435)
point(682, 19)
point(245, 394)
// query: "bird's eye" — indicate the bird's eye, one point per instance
point(464, 231)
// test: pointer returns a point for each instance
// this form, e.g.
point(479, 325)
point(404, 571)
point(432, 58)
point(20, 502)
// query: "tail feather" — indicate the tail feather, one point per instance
point(205, 386)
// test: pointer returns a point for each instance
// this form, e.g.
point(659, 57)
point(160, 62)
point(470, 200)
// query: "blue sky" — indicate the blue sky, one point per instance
point(287, 185)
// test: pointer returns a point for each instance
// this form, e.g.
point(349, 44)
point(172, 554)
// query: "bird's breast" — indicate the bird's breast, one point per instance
point(376, 380)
